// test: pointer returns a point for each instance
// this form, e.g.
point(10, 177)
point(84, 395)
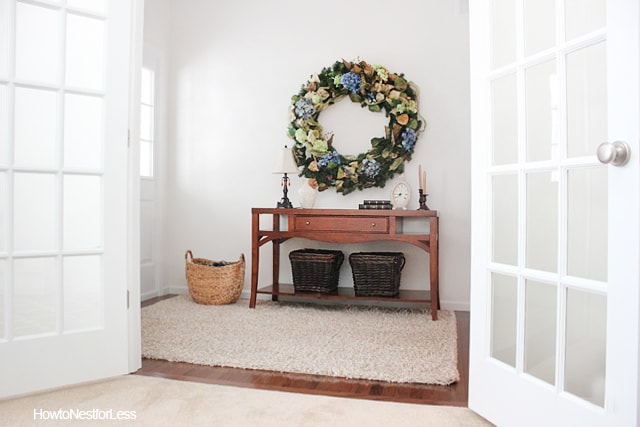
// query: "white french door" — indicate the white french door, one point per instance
point(555, 233)
point(64, 88)
point(151, 139)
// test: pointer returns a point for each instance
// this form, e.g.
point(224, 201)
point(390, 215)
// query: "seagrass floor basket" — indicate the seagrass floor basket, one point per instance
point(214, 282)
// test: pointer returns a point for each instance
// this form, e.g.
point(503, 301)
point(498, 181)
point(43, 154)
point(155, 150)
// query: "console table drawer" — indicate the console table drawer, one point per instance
point(341, 223)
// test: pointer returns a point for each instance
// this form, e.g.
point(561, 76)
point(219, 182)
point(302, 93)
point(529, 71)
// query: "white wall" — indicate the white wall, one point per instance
point(235, 65)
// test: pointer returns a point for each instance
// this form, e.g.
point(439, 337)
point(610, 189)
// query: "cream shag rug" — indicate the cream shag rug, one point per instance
point(388, 344)
point(161, 402)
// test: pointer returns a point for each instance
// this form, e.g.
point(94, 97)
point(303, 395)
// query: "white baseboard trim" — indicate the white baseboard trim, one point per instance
point(455, 305)
point(246, 294)
point(178, 290)
point(148, 295)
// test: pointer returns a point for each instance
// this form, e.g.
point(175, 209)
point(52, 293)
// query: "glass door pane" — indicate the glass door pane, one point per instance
point(541, 92)
point(37, 51)
point(586, 345)
point(34, 212)
point(4, 39)
point(504, 315)
point(81, 212)
point(542, 222)
point(4, 220)
point(539, 14)
point(3, 290)
point(34, 296)
point(4, 125)
point(85, 53)
point(587, 216)
point(35, 131)
point(540, 330)
point(82, 293)
point(83, 132)
point(584, 16)
point(503, 39)
point(505, 120)
point(505, 219)
point(586, 100)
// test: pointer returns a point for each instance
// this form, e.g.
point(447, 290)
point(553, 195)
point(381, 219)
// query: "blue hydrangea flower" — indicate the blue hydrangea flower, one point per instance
point(351, 81)
point(408, 138)
point(370, 168)
point(371, 97)
point(332, 157)
point(304, 109)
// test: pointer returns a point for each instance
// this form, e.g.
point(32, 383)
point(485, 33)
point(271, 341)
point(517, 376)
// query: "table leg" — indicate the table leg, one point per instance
point(433, 267)
point(255, 258)
point(276, 259)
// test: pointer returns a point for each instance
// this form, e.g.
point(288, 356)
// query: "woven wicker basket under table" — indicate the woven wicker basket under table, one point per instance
point(315, 270)
point(376, 273)
point(214, 282)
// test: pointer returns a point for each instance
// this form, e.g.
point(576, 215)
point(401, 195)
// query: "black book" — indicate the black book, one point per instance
point(377, 202)
point(380, 206)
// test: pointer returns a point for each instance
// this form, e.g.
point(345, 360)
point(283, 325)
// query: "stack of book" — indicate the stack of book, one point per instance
point(375, 204)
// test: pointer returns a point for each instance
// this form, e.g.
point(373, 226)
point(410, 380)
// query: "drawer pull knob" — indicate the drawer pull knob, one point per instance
point(308, 222)
point(373, 224)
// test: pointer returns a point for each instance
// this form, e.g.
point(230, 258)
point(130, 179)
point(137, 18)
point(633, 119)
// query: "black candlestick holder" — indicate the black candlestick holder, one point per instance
point(422, 199)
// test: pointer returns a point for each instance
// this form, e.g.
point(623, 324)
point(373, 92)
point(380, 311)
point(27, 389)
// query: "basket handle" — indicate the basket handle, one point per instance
point(188, 254)
point(402, 263)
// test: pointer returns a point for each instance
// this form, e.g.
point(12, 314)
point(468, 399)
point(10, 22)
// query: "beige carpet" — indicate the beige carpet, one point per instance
point(388, 344)
point(162, 402)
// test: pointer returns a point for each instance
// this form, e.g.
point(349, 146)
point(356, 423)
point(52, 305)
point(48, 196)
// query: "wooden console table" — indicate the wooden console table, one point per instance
point(343, 226)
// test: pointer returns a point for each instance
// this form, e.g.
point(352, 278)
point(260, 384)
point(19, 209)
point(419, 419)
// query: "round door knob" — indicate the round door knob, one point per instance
point(616, 153)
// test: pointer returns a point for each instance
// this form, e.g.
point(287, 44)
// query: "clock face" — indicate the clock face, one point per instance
point(400, 195)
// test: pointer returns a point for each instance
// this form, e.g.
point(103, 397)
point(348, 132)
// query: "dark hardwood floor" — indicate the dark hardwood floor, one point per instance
point(452, 395)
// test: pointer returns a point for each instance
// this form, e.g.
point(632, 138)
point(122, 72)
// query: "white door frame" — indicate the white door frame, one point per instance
point(133, 176)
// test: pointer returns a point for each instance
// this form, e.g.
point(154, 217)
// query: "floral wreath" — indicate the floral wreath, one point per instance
point(374, 87)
